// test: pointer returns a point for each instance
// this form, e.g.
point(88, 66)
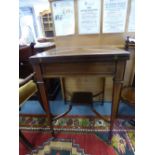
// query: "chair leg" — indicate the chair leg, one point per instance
point(25, 141)
point(103, 93)
point(106, 120)
point(65, 113)
point(98, 114)
point(132, 122)
point(102, 102)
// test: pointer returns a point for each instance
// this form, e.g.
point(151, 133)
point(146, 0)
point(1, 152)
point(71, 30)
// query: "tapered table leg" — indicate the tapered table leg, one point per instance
point(43, 94)
point(117, 85)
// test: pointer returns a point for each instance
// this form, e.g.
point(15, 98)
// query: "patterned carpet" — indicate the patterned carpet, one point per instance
point(72, 123)
point(77, 136)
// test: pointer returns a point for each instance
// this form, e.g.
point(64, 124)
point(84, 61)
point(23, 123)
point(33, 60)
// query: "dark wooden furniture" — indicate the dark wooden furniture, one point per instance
point(26, 89)
point(25, 68)
point(45, 39)
point(128, 91)
point(129, 43)
point(95, 61)
point(43, 46)
point(52, 85)
point(26, 51)
point(128, 95)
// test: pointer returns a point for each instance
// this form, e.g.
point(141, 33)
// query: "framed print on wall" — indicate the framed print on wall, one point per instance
point(89, 12)
point(63, 16)
point(114, 16)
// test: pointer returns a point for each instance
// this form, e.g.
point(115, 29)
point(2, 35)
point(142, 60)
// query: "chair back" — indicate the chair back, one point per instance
point(25, 52)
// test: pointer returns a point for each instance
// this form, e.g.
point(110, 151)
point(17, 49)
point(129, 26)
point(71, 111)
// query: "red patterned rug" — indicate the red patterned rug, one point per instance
point(72, 123)
point(83, 136)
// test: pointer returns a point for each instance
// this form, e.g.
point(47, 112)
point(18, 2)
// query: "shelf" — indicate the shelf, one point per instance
point(48, 29)
point(47, 23)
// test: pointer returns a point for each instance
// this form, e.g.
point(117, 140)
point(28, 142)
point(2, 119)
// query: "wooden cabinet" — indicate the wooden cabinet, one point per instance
point(47, 23)
point(25, 68)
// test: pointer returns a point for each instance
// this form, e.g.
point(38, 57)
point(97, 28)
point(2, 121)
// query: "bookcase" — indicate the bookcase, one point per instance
point(47, 23)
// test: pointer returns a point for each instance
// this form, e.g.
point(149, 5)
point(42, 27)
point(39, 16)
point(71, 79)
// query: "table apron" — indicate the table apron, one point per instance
point(75, 69)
